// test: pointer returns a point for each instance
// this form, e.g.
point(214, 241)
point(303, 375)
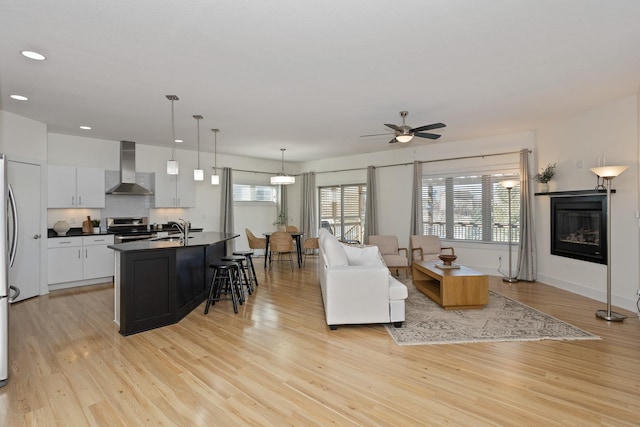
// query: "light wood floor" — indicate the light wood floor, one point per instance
point(276, 363)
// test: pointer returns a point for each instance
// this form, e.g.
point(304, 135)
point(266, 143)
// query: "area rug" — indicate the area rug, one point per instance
point(503, 319)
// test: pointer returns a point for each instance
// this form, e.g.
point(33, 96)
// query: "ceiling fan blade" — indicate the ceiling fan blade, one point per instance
point(394, 127)
point(427, 135)
point(393, 141)
point(376, 134)
point(429, 127)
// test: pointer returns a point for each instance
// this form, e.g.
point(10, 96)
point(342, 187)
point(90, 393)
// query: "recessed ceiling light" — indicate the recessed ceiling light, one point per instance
point(19, 97)
point(33, 55)
point(179, 140)
point(85, 127)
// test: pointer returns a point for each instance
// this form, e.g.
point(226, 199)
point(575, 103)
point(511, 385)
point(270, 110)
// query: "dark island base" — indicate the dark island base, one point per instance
point(161, 286)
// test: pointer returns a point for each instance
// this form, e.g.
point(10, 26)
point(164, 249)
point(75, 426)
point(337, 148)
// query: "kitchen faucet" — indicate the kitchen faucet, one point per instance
point(183, 227)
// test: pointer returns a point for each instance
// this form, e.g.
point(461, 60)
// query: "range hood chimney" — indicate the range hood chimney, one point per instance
point(127, 183)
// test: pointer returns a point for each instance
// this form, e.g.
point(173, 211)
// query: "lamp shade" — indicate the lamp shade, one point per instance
point(215, 179)
point(608, 172)
point(198, 175)
point(404, 138)
point(509, 184)
point(283, 180)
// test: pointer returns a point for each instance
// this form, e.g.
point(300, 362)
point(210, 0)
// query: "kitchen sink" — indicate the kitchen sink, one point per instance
point(167, 239)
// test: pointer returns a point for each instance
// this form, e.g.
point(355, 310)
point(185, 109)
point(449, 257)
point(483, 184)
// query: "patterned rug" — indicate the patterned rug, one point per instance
point(503, 319)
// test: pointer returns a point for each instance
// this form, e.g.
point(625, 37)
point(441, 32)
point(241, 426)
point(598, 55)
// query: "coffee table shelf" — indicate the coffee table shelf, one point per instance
point(455, 289)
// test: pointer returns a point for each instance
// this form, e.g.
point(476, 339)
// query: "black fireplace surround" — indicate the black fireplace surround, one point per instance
point(579, 227)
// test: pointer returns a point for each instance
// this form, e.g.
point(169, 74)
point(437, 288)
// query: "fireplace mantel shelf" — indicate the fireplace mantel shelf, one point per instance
point(573, 193)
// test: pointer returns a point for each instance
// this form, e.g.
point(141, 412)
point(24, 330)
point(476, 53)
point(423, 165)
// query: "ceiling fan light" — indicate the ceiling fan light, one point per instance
point(404, 138)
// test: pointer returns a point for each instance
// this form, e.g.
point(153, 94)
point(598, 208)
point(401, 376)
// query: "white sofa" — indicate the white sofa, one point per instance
point(357, 287)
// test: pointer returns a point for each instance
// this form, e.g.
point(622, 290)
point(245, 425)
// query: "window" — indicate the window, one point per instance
point(473, 207)
point(342, 210)
point(254, 193)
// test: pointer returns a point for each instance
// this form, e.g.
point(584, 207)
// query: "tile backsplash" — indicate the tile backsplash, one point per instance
point(127, 205)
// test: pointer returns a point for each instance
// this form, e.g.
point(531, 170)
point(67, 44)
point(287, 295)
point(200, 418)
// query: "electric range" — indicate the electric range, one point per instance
point(129, 229)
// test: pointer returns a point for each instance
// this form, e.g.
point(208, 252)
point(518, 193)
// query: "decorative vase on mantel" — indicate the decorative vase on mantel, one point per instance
point(544, 187)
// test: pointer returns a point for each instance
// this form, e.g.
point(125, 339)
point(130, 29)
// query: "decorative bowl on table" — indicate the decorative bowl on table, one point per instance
point(447, 259)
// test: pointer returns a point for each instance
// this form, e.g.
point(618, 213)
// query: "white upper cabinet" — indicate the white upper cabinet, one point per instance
point(174, 191)
point(71, 187)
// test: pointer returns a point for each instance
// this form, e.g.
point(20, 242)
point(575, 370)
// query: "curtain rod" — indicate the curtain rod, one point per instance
point(398, 164)
point(427, 161)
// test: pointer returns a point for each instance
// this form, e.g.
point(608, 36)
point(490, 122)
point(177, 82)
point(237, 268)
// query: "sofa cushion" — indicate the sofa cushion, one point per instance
point(333, 249)
point(362, 255)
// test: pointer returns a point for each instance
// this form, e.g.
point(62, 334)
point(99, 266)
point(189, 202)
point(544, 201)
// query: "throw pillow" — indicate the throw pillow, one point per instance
point(334, 251)
point(363, 255)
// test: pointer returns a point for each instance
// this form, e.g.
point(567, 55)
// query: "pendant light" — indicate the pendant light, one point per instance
point(215, 178)
point(198, 174)
point(283, 178)
point(172, 164)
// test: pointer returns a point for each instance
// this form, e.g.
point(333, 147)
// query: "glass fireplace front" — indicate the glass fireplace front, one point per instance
point(579, 227)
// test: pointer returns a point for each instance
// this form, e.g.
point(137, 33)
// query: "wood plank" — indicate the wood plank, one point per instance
point(277, 363)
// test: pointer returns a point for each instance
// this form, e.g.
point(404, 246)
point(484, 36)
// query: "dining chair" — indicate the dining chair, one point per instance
point(280, 243)
point(255, 242)
point(310, 244)
point(388, 247)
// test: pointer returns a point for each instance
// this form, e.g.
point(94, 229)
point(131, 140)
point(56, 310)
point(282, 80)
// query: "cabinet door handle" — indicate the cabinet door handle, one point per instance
point(79, 254)
point(79, 200)
point(86, 253)
point(64, 242)
point(73, 200)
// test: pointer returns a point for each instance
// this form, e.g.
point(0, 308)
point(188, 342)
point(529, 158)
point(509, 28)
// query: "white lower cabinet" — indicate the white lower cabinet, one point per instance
point(79, 259)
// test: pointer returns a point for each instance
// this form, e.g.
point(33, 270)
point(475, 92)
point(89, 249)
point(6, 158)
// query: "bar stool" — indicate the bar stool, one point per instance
point(241, 274)
point(223, 280)
point(250, 269)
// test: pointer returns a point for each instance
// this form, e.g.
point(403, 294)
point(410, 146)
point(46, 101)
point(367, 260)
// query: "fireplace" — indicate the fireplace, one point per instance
point(579, 227)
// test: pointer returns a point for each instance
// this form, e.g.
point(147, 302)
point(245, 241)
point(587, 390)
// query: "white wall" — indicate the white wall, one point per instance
point(576, 143)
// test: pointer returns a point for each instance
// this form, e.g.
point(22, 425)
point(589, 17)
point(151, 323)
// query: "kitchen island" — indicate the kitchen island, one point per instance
point(158, 282)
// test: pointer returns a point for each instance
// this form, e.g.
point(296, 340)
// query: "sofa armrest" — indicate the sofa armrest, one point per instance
point(406, 251)
point(356, 294)
point(421, 253)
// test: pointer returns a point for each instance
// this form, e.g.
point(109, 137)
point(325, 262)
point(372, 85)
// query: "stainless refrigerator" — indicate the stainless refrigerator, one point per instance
point(9, 242)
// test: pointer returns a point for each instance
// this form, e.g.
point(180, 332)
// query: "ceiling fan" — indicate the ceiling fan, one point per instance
point(405, 133)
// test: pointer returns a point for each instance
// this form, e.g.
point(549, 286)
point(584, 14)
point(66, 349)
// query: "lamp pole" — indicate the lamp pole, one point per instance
point(608, 173)
point(509, 186)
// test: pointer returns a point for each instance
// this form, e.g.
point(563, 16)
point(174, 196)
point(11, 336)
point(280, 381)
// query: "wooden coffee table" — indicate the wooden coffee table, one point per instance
point(454, 289)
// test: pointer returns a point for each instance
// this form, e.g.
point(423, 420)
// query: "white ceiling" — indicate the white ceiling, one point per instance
point(312, 77)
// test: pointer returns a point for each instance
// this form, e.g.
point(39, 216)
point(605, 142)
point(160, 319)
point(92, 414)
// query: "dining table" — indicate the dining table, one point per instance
point(296, 235)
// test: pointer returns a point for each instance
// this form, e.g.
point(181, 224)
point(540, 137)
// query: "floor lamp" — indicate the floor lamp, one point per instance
point(509, 186)
point(608, 173)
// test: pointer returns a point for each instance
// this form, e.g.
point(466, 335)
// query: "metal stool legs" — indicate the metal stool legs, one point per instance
point(224, 280)
point(249, 266)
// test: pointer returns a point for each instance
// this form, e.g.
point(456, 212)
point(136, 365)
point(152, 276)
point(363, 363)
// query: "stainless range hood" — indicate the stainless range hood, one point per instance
point(127, 185)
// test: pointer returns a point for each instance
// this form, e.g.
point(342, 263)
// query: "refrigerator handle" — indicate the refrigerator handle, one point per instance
point(13, 297)
point(14, 238)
